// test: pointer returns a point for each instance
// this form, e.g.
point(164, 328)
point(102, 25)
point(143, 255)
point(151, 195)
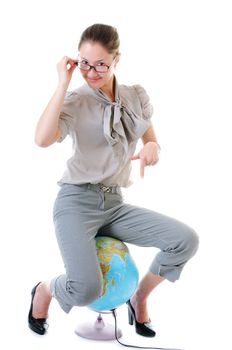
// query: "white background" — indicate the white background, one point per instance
point(180, 51)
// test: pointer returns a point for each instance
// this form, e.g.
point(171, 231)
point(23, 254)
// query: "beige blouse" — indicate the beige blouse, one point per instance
point(104, 133)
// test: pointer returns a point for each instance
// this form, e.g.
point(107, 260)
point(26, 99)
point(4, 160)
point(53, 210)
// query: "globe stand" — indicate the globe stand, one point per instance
point(97, 331)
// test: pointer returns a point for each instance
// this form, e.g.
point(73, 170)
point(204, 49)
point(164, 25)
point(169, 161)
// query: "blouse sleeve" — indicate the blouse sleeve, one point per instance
point(147, 108)
point(66, 119)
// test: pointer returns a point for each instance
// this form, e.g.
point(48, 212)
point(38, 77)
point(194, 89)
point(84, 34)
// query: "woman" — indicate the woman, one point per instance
point(105, 120)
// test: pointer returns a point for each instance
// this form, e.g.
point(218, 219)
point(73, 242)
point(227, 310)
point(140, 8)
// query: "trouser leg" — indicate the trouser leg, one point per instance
point(177, 242)
point(76, 224)
point(82, 283)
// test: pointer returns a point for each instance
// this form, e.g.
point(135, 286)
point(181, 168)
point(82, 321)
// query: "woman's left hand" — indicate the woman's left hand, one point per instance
point(149, 155)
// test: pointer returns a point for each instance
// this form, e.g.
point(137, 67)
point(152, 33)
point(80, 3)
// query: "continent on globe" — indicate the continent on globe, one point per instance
point(119, 272)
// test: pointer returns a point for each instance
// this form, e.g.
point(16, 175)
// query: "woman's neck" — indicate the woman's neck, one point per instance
point(109, 90)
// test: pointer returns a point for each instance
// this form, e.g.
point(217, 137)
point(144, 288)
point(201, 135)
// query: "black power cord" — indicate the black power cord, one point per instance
point(133, 346)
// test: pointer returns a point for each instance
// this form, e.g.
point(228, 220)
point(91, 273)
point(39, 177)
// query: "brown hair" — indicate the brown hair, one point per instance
point(104, 34)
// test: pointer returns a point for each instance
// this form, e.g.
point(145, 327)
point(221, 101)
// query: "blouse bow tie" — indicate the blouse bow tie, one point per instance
point(121, 125)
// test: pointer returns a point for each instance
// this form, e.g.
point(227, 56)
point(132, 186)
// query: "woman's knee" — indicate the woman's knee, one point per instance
point(85, 293)
point(190, 241)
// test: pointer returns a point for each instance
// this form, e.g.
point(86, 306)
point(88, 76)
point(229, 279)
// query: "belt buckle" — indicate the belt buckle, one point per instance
point(105, 188)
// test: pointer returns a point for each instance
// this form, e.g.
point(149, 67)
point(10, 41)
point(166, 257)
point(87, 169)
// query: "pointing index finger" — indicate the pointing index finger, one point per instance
point(142, 166)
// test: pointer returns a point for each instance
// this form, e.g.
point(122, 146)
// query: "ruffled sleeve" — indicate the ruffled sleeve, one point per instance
point(146, 106)
point(66, 118)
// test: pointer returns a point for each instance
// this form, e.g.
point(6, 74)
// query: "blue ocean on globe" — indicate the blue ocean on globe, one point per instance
point(120, 274)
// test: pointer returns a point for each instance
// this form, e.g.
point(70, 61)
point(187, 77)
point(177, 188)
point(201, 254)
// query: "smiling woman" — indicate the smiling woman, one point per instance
point(98, 57)
point(105, 121)
point(97, 66)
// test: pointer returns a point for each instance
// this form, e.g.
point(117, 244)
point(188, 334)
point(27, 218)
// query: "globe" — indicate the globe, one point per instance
point(120, 274)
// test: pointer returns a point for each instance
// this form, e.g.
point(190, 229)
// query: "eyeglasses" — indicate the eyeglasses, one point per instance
point(99, 68)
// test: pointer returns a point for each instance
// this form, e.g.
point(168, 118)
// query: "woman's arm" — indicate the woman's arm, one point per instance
point(149, 136)
point(47, 130)
point(149, 154)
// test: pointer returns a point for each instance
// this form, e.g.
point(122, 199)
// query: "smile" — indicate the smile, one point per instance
point(93, 79)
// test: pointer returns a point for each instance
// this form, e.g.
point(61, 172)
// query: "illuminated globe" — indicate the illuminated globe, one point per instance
point(120, 274)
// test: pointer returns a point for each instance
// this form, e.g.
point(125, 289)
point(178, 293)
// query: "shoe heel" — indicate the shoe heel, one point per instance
point(130, 317)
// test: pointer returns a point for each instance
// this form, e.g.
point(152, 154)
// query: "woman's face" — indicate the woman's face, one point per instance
point(96, 55)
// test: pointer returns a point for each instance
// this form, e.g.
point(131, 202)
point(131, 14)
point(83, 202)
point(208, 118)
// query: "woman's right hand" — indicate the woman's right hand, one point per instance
point(65, 69)
point(47, 129)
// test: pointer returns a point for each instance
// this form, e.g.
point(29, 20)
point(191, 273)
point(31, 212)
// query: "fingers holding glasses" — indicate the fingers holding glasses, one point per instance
point(65, 69)
point(68, 62)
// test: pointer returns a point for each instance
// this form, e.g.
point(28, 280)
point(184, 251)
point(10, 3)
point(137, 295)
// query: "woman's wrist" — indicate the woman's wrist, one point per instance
point(156, 144)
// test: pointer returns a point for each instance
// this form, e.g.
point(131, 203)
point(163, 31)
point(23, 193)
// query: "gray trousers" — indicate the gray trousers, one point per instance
point(82, 212)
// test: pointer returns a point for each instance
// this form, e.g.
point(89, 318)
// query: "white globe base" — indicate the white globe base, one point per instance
point(97, 331)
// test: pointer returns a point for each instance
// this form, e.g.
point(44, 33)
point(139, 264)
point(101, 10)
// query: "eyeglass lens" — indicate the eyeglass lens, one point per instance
point(85, 66)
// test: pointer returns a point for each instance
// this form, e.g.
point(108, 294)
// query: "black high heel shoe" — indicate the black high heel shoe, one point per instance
point(37, 325)
point(145, 328)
